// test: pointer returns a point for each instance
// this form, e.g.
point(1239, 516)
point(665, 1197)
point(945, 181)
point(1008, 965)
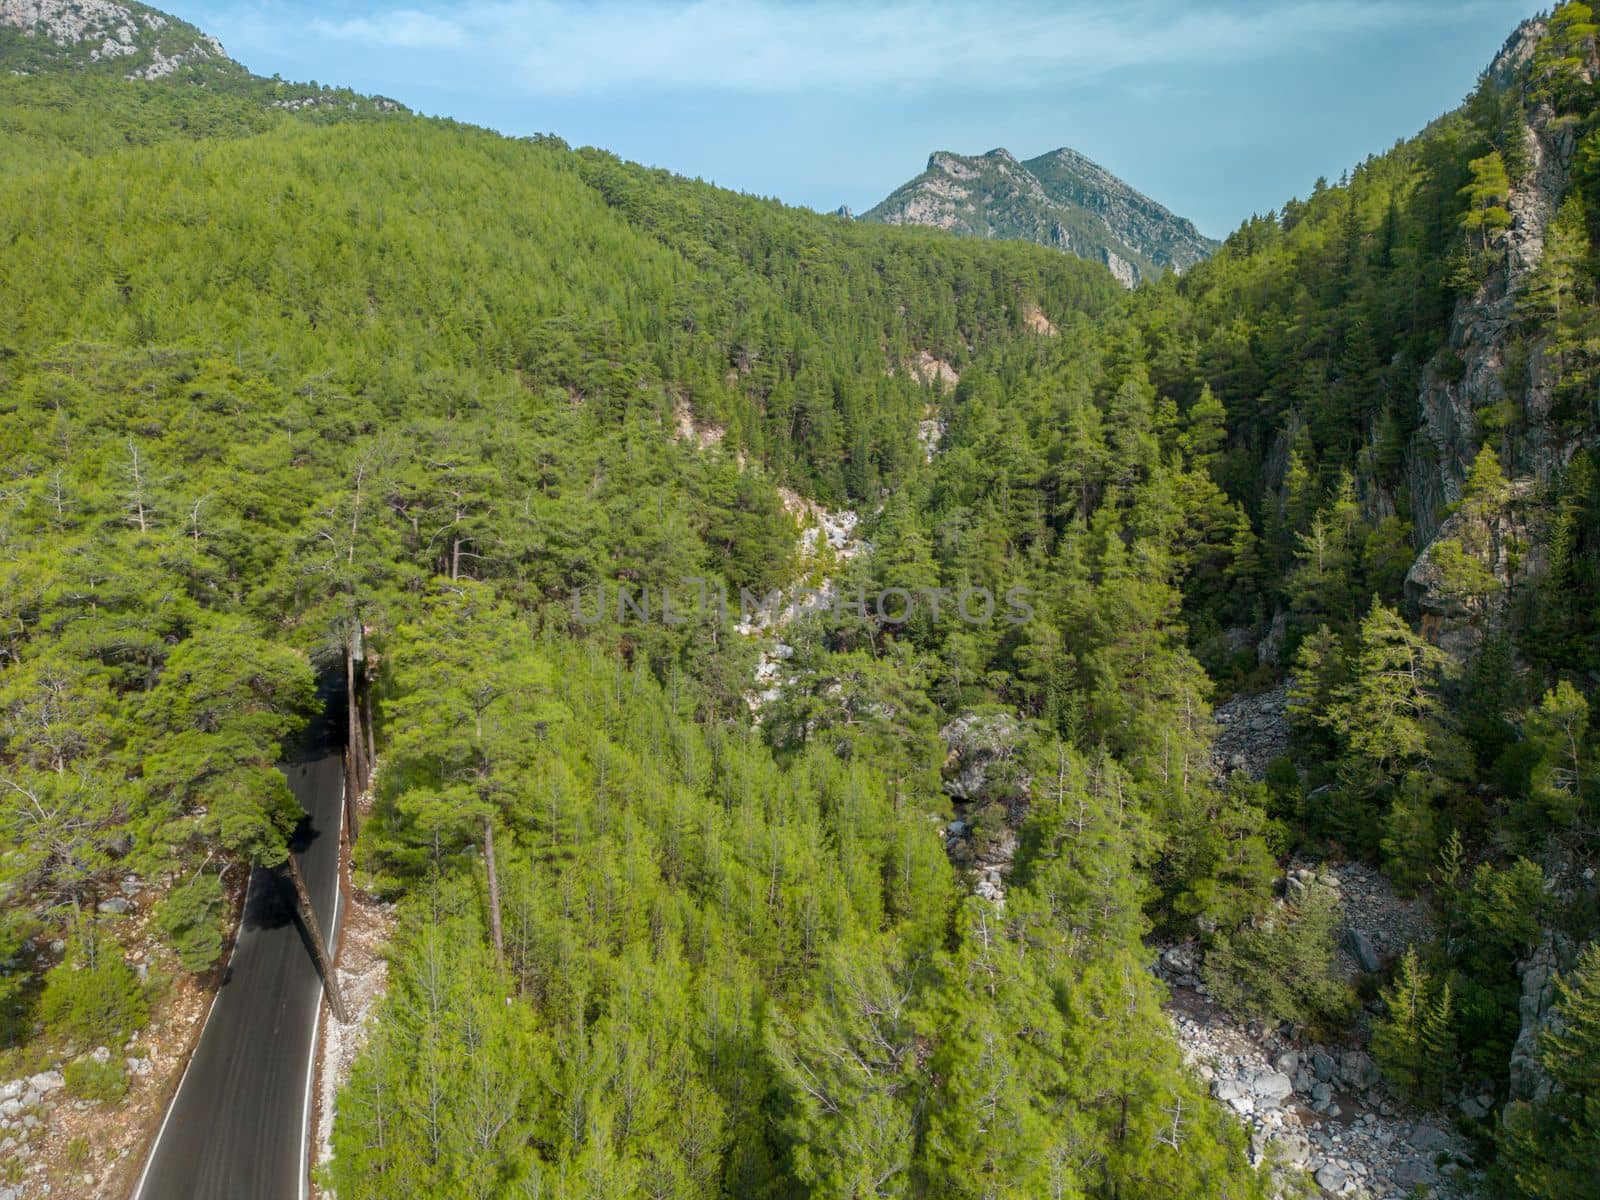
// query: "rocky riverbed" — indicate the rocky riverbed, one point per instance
point(1319, 1110)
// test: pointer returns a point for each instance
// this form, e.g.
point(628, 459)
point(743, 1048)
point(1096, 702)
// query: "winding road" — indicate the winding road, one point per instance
point(237, 1128)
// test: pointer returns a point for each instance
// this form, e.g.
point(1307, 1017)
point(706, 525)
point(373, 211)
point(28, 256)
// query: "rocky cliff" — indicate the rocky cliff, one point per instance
point(1477, 370)
point(1060, 199)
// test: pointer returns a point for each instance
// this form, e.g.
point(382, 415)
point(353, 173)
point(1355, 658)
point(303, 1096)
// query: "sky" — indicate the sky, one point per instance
point(1216, 108)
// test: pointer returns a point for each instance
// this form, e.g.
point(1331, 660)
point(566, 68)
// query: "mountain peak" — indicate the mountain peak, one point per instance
point(1062, 199)
point(133, 40)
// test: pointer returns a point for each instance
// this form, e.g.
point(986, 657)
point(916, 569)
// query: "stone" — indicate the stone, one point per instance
point(1412, 1171)
point(1322, 1065)
point(1322, 1093)
point(1474, 1109)
point(117, 905)
point(1330, 1177)
point(46, 1082)
point(1228, 1089)
point(1429, 1139)
point(1287, 1062)
point(1271, 1085)
point(1362, 950)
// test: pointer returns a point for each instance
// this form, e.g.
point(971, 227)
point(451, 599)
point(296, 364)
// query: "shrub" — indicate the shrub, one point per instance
point(90, 1080)
point(93, 996)
point(191, 919)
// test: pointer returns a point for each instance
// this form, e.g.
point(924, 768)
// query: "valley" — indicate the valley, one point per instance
point(1238, 839)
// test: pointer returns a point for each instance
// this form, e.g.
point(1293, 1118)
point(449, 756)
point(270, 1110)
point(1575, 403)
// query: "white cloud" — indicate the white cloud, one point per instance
point(567, 47)
point(403, 28)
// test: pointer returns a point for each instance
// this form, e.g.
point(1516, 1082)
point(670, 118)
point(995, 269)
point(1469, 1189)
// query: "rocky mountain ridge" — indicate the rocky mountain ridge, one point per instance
point(1059, 199)
point(130, 39)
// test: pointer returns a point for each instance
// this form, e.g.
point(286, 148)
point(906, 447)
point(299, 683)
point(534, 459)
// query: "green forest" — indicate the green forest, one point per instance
point(326, 393)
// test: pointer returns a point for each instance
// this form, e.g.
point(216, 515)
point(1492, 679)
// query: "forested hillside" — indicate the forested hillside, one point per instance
point(301, 392)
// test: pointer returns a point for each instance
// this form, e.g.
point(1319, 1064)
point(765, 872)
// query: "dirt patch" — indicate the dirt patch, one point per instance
point(1033, 317)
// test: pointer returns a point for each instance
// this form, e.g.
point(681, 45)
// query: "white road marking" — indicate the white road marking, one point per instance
point(316, 1028)
point(138, 1189)
point(311, 1066)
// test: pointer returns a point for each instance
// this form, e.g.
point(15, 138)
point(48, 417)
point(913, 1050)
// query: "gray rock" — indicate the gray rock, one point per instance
point(1427, 1139)
point(1322, 1065)
point(1362, 949)
point(1330, 1177)
point(1412, 1171)
point(1270, 1085)
point(1474, 1108)
point(116, 905)
point(1228, 1089)
point(46, 1082)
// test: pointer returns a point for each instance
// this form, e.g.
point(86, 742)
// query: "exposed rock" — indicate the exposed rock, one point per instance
point(1536, 1012)
point(1060, 199)
point(46, 1082)
point(1356, 1145)
point(1470, 374)
point(1361, 948)
point(1252, 730)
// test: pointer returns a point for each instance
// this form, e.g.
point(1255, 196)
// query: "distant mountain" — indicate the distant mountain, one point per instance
point(1059, 199)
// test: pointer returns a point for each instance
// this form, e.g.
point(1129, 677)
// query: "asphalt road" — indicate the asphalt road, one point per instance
point(237, 1127)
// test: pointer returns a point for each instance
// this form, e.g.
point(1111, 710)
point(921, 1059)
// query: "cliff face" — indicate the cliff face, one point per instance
point(1472, 373)
point(1060, 199)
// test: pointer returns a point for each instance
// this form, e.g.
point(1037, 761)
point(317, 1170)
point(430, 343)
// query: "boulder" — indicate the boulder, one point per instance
point(1322, 1065)
point(1362, 950)
point(1413, 1171)
point(46, 1082)
point(1475, 1108)
point(1271, 1085)
point(1331, 1177)
point(1428, 1139)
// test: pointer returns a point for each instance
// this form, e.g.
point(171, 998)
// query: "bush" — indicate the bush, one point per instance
point(191, 919)
point(90, 1080)
point(93, 996)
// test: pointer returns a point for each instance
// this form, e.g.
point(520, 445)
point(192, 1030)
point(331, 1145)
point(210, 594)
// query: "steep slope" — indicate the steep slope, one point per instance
point(1060, 199)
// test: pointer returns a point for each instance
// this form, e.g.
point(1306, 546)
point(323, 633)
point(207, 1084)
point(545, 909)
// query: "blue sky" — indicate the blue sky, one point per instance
point(1217, 108)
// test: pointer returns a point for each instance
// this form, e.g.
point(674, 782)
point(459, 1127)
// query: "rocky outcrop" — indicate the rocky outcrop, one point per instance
point(1469, 374)
point(983, 777)
point(1536, 1013)
point(1060, 199)
point(1505, 538)
point(145, 43)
